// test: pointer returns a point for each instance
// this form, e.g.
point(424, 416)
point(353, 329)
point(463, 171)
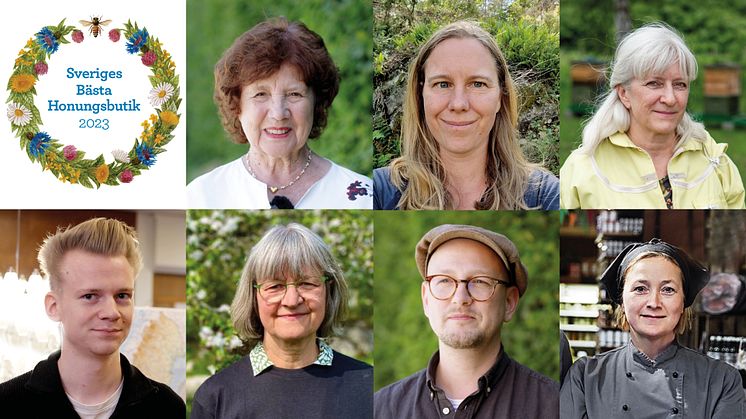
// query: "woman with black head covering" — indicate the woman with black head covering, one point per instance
point(654, 284)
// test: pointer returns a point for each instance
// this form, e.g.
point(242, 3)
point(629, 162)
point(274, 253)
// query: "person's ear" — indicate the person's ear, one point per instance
point(425, 297)
point(511, 303)
point(52, 306)
point(621, 91)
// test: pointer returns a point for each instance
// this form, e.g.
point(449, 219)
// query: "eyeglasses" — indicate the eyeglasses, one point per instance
point(479, 288)
point(274, 291)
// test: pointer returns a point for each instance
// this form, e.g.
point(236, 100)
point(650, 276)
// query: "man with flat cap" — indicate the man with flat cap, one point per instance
point(472, 281)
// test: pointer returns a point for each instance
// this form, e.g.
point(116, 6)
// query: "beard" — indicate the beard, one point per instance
point(462, 339)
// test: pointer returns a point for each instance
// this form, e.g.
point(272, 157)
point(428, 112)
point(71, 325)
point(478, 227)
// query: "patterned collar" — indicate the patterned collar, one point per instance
point(260, 361)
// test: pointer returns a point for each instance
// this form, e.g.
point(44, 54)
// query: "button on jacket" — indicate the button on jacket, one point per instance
point(507, 390)
point(39, 394)
point(621, 175)
point(679, 383)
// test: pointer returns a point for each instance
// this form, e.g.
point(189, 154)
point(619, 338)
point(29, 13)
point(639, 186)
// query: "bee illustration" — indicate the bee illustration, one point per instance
point(95, 25)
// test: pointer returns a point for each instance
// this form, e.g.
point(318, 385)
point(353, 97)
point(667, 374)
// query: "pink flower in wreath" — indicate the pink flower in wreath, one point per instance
point(70, 152)
point(126, 176)
point(41, 68)
point(148, 58)
point(114, 35)
point(77, 36)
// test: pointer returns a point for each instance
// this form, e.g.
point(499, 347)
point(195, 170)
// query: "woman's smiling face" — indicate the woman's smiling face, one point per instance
point(653, 298)
point(461, 95)
point(656, 103)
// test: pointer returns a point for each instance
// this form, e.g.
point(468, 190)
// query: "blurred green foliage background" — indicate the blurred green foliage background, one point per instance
point(715, 31)
point(218, 243)
point(404, 339)
point(345, 26)
point(527, 32)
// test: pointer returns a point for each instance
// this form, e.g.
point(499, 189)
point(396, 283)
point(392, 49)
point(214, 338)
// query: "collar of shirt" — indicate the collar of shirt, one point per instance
point(486, 382)
point(621, 139)
point(641, 358)
point(260, 361)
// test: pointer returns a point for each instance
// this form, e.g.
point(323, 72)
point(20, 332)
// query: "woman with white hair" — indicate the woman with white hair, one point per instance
point(641, 149)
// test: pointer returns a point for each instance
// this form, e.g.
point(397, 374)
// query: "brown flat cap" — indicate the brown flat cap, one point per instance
point(501, 245)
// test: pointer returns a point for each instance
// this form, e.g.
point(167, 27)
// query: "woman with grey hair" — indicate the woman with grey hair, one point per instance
point(641, 149)
point(292, 294)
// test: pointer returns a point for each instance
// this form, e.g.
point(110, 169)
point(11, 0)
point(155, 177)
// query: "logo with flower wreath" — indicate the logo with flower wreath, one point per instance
point(67, 162)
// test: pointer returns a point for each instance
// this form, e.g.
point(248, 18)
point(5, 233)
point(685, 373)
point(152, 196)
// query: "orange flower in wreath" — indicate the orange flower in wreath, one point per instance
point(169, 118)
point(22, 83)
point(102, 173)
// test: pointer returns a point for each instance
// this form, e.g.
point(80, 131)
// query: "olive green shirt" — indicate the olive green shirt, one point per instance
point(625, 383)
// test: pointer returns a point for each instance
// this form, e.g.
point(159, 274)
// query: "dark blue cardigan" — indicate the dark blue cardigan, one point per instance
point(542, 191)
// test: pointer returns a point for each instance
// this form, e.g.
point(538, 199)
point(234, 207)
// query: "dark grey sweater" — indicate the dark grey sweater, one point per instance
point(342, 390)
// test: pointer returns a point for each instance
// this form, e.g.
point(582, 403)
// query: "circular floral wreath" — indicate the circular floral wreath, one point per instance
point(68, 163)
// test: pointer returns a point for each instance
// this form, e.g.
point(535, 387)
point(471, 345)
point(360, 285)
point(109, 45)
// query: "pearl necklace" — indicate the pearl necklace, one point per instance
point(274, 189)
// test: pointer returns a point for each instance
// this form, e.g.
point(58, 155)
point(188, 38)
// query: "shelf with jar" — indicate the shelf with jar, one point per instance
point(578, 314)
point(579, 251)
point(586, 315)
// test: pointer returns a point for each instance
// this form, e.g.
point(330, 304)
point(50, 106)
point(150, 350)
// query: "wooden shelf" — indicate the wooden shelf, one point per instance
point(579, 327)
point(579, 313)
point(583, 344)
point(577, 232)
point(620, 234)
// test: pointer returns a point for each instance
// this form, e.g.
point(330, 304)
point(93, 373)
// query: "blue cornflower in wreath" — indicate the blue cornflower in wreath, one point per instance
point(137, 40)
point(145, 154)
point(47, 40)
point(38, 145)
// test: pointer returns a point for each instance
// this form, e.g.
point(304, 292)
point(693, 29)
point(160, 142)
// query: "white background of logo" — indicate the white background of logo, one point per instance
point(22, 183)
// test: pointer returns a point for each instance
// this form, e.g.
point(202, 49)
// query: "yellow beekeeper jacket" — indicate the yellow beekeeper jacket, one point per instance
point(621, 175)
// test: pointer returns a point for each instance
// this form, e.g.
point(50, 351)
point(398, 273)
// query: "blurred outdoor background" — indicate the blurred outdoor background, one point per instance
point(715, 31)
point(345, 26)
point(527, 32)
point(218, 243)
point(404, 340)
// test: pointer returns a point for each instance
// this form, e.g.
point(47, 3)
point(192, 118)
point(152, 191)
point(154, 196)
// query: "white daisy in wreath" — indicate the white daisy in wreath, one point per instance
point(18, 114)
point(120, 156)
point(160, 94)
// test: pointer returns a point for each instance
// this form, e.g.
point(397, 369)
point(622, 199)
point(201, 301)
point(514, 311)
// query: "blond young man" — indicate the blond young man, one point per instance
point(91, 268)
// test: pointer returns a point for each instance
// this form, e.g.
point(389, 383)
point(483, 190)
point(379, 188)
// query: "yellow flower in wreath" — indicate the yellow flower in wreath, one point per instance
point(169, 118)
point(102, 173)
point(22, 83)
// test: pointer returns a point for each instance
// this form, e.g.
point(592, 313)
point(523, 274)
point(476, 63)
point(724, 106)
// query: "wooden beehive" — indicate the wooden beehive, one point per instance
point(722, 90)
point(588, 81)
point(722, 81)
point(586, 72)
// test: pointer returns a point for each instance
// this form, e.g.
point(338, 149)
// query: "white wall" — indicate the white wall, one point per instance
point(162, 237)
